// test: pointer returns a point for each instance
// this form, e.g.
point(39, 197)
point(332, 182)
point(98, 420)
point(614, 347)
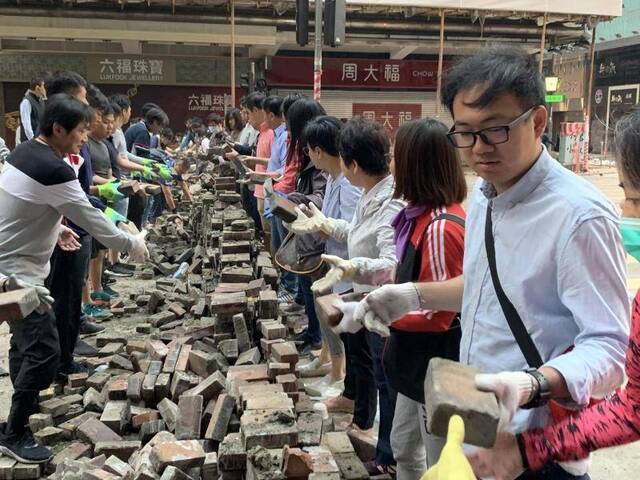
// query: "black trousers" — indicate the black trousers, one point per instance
point(33, 362)
point(552, 471)
point(250, 204)
point(66, 281)
point(135, 213)
point(359, 382)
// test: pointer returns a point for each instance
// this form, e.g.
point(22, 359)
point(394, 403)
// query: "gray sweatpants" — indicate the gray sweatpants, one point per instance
point(413, 447)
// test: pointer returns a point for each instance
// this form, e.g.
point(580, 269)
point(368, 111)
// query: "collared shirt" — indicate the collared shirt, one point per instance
point(370, 235)
point(340, 200)
point(561, 263)
point(278, 149)
point(263, 150)
point(248, 136)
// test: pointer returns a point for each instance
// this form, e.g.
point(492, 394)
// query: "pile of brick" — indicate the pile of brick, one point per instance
point(207, 387)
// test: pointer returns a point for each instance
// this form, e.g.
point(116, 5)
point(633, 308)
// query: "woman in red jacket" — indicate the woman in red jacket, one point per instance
point(616, 420)
point(429, 238)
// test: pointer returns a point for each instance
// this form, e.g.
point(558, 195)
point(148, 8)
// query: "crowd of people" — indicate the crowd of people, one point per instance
point(528, 285)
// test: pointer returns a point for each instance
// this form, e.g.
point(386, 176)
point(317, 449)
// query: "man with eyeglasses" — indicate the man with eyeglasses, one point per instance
point(559, 261)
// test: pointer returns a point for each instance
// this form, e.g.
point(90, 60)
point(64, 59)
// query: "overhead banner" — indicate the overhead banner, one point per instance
point(582, 8)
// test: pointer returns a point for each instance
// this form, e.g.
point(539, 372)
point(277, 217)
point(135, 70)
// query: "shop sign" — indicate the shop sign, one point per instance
point(122, 69)
point(390, 115)
point(355, 73)
point(554, 98)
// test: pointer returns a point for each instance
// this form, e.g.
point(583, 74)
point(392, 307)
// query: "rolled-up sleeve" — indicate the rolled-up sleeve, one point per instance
point(592, 285)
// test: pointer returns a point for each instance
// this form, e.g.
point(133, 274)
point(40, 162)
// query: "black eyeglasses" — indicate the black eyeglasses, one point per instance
point(490, 136)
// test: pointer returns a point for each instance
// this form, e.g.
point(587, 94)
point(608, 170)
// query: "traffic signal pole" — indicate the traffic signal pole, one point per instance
point(317, 55)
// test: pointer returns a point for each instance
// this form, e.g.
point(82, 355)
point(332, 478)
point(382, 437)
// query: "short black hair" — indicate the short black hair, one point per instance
point(273, 104)
point(121, 99)
point(627, 147)
point(168, 133)
point(288, 101)
point(366, 143)
point(255, 100)
point(97, 100)
point(323, 132)
point(497, 70)
point(300, 113)
point(156, 115)
point(64, 81)
point(116, 108)
point(65, 110)
point(148, 106)
point(35, 81)
point(214, 118)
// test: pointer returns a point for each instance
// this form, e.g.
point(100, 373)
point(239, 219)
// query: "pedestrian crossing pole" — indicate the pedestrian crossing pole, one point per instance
point(317, 54)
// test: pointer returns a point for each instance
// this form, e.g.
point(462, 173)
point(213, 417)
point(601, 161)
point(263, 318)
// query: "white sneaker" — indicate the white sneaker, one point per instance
point(325, 390)
point(314, 365)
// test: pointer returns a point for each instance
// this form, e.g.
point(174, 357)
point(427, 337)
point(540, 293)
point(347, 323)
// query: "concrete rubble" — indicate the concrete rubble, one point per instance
point(199, 380)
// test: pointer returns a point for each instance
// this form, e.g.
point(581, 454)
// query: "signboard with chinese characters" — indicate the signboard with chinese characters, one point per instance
point(123, 69)
point(355, 73)
point(390, 115)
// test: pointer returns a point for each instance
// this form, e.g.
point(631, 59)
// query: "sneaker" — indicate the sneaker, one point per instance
point(325, 388)
point(107, 289)
point(107, 280)
point(96, 312)
point(118, 270)
point(89, 328)
point(101, 298)
point(285, 296)
point(83, 349)
point(24, 448)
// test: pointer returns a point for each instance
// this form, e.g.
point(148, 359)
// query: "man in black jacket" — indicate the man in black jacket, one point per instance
point(31, 108)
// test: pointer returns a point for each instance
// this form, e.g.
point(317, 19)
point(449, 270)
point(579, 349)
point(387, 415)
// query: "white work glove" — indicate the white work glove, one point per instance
point(385, 305)
point(512, 389)
point(314, 222)
point(347, 324)
point(341, 269)
point(44, 295)
point(138, 252)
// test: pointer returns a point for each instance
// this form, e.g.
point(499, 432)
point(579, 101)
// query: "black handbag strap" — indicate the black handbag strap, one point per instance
point(525, 342)
point(449, 216)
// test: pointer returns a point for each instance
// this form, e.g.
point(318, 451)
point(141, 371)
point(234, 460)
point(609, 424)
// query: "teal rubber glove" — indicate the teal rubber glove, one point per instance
point(165, 173)
point(109, 192)
point(114, 216)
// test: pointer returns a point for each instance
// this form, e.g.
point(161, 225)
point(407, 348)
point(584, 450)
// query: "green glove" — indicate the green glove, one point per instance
point(165, 173)
point(109, 192)
point(148, 162)
point(114, 216)
point(145, 174)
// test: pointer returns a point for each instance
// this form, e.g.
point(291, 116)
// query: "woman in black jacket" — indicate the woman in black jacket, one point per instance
point(310, 186)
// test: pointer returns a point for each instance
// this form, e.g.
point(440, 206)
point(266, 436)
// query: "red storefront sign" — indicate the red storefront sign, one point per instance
point(390, 115)
point(355, 73)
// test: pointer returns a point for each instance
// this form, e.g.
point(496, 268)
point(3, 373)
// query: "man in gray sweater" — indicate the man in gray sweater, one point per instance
point(38, 188)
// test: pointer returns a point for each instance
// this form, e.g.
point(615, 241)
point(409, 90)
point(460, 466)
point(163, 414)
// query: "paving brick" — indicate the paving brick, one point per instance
point(296, 463)
point(24, 471)
point(6, 467)
point(117, 467)
point(74, 451)
point(180, 454)
point(250, 373)
point(450, 390)
point(275, 369)
point(171, 359)
point(144, 328)
point(49, 435)
point(285, 352)
point(268, 428)
point(148, 430)
point(257, 390)
point(116, 416)
point(99, 474)
point(268, 304)
point(183, 358)
point(93, 431)
point(309, 429)
point(270, 401)
point(202, 363)
point(220, 416)
point(134, 387)
point(17, 304)
point(110, 349)
point(173, 473)
point(322, 459)
point(229, 303)
point(210, 466)
point(136, 345)
point(326, 310)
point(162, 318)
point(162, 387)
point(241, 332)
point(177, 309)
point(55, 407)
point(74, 390)
point(121, 449)
point(363, 444)
point(180, 383)
point(232, 456)
point(70, 426)
point(118, 361)
point(271, 329)
point(189, 417)
point(288, 381)
point(117, 387)
point(38, 421)
point(229, 349)
point(98, 380)
point(149, 416)
point(157, 349)
point(156, 298)
point(264, 464)
point(265, 345)
point(78, 379)
point(249, 357)
point(169, 412)
point(350, 466)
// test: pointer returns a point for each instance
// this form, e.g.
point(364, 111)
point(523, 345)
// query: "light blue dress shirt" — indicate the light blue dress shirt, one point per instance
point(278, 149)
point(561, 262)
point(340, 200)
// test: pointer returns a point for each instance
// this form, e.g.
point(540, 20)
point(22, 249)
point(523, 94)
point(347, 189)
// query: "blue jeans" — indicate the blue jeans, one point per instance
point(387, 399)
point(313, 330)
point(288, 280)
